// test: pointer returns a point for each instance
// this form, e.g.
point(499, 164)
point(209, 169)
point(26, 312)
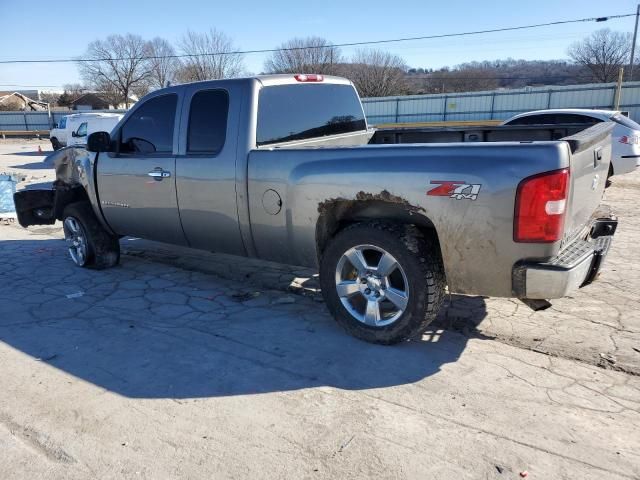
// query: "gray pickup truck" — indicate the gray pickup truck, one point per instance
point(285, 168)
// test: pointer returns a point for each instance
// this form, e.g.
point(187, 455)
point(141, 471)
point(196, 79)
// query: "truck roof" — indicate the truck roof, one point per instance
point(93, 114)
point(280, 79)
point(604, 114)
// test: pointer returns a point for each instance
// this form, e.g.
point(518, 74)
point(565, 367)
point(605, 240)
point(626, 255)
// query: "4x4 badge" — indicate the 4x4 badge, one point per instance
point(460, 190)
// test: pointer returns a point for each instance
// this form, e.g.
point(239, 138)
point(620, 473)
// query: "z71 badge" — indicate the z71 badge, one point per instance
point(460, 190)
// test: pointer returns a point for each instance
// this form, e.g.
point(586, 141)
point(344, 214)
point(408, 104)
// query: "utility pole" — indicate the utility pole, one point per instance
point(633, 45)
point(618, 94)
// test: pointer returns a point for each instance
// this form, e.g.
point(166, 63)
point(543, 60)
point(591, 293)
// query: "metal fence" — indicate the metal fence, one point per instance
point(30, 121)
point(499, 104)
point(490, 105)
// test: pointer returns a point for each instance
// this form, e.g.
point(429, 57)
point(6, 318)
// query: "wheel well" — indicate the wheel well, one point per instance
point(343, 213)
point(66, 195)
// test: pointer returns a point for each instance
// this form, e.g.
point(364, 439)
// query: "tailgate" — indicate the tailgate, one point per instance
point(590, 158)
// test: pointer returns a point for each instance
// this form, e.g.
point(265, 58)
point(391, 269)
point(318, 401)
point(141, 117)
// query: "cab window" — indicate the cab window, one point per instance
point(149, 130)
point(82, 130)
point(208, 122)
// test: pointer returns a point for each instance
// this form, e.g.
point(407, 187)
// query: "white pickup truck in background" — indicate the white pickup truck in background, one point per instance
point(75, 128)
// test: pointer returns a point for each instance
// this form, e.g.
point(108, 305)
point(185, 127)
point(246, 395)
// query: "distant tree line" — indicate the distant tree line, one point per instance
point(594, 59)
point(126, 66)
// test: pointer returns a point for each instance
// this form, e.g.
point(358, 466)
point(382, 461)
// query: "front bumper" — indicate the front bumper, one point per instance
point(577, 265)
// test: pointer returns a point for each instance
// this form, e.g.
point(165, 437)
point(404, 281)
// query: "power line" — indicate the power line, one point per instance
point(349, 44)
point(28, 86)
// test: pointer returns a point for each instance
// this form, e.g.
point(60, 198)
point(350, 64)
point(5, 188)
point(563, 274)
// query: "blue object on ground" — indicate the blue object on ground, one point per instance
point(7, 189)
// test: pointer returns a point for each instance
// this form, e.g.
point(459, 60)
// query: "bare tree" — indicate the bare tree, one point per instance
point(118, 64)
point(72, 91)
point(211, 56)
point(376, 73)
point(304, 55)
point(164, 65)
point(603, 53)
point(50, 97)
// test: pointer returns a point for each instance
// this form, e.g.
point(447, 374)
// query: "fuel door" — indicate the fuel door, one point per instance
point(271, 202)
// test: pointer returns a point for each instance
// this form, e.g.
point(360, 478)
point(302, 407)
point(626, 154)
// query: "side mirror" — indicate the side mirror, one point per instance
point(99, 142)
point(74, 134)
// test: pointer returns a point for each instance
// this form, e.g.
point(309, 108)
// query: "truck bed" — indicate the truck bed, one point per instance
point(475, 234)
point(500, 133)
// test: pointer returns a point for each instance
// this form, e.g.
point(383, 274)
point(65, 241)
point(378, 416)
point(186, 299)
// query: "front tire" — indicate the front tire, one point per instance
point(89, 244)
point(609, 175)
point(383, 283)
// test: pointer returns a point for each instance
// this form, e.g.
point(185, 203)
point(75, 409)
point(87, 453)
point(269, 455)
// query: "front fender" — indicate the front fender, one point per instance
point(75, 181)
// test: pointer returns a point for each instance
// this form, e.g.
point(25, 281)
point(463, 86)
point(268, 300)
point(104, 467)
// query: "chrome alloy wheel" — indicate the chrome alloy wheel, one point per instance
point(77, 241)
point(372, 285)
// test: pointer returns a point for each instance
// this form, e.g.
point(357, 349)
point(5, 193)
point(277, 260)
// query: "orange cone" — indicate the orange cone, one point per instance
point(39, 149)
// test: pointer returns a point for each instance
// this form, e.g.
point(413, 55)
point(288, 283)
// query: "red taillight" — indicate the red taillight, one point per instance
point(312, 77)
point(541, 204)
point(629, 139)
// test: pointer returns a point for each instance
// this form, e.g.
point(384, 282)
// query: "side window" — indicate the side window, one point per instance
point(528, 120)
point(555, 119)
point(82, 130)
point(150, 128)
point(579, 119)
point(208, 121)
point(63, 122)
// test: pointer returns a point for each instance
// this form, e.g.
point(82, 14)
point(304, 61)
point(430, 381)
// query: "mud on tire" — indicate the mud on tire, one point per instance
point(103, 249)
point(420, 260)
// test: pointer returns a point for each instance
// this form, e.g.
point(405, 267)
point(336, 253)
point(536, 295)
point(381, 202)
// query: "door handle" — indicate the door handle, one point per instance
point(597, 157)
point(158, 174)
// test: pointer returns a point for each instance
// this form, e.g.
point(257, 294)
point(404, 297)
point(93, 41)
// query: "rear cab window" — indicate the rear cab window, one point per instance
point(299, 112)
point(207, 129)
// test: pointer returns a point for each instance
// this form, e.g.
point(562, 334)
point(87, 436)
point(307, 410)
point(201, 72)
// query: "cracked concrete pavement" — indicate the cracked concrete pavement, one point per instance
point(183, 364)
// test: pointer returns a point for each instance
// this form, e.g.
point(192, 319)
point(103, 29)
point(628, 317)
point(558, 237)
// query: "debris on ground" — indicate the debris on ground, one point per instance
point(607, 358)
point(75, 295)
point(288, 299)
point(7, 189)
point(244, 296)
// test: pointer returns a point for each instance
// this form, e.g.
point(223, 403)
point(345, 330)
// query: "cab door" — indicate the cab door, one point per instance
point(206, 168)
point(137, 182)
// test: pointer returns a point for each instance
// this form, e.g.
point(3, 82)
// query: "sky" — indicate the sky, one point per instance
point(44, 32)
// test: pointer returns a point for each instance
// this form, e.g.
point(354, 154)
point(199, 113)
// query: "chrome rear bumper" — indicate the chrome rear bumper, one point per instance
point(577, 265)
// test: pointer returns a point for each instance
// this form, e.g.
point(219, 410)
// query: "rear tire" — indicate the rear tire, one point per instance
point(90, 245)
point(408, 288)
point(55, 144)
